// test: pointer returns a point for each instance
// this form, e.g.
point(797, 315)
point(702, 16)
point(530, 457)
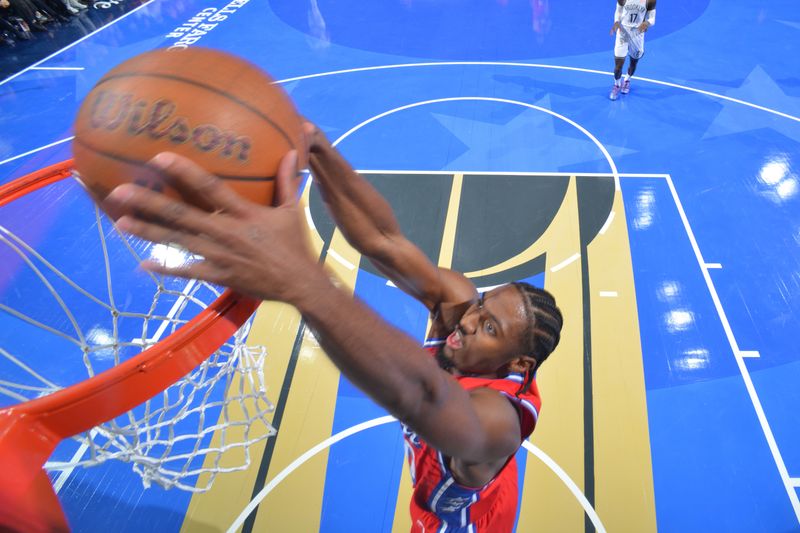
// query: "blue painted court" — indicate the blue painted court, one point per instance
point(667, 224)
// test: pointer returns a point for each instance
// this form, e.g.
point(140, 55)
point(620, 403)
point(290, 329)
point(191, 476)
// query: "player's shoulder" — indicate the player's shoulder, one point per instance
point(508, 386)
point(527, 404)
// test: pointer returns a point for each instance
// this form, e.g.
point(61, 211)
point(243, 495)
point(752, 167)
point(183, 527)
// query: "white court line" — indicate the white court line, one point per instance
point(131, 12)
point(738, 355)
point(330, 441)
point(565, 262)
point(752, 354)
point(795, 481)
point(57, 68)
point(29, 152)
point(541, 66)
point(59, 483)
point(479, 289)
point(454, 63)
point(612, 165)
point(573, 488)
point(608, 222)
point(310, 221)
point(336, 255)
point(712, 265)
point(497, 173)
point(608, 294)
point(550, 112)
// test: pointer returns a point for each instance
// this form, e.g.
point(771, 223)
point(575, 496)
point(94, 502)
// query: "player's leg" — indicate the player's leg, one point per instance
point(620, 51)
point(626, 83)
point(635, 56)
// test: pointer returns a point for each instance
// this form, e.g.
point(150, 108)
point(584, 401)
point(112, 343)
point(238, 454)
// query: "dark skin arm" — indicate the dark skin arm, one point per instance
point(651, 5)
point(369, 225)
point(615, 27)
point(255, 250)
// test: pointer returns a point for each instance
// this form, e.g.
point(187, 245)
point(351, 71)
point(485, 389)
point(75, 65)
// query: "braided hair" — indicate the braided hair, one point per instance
point(544, 326)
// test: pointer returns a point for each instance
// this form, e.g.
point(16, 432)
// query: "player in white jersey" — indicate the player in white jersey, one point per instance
point(631, 20)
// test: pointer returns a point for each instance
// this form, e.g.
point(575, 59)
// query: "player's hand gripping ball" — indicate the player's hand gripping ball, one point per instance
point(214, 108)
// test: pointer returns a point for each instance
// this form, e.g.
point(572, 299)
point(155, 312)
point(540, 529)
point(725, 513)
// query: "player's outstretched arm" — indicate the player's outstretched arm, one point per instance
point(259, 251)
point(368, 223)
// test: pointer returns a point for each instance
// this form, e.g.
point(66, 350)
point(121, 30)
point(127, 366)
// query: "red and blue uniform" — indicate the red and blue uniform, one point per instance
point(439, 502)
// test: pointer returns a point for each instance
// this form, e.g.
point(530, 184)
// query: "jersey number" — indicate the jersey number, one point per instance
point(634, 16)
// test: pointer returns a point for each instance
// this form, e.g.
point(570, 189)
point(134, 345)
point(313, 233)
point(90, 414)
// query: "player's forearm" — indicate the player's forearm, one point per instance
point(368, 223)
point(362, 214)
point(391, 368)
point(650, 15)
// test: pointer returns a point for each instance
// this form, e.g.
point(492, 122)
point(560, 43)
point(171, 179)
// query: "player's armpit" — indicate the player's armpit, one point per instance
point(500, 422)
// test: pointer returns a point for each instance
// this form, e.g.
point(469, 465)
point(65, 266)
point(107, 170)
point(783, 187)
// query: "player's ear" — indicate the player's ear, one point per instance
point(523, 364)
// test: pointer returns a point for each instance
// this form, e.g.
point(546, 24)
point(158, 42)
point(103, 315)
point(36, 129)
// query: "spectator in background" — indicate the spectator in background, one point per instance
point(10, 27)
point(19, 17)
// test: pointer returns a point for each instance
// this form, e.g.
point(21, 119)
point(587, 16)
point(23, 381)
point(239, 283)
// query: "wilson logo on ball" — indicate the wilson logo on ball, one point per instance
point(158, 120)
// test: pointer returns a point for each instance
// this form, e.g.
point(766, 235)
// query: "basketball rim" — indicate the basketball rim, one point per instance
point(30, 431)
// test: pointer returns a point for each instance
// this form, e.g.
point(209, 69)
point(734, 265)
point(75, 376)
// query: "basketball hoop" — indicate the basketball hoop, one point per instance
point(202, 352)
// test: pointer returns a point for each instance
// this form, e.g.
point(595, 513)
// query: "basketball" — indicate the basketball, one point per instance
point(212, 107)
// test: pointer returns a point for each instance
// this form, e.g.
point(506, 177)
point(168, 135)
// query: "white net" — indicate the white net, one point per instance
point(73, 303)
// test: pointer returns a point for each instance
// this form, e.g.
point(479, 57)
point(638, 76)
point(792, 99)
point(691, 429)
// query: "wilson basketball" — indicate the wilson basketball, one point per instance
point(217, 109)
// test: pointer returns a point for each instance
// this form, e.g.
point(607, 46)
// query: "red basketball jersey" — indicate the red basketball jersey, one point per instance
point(439, 502)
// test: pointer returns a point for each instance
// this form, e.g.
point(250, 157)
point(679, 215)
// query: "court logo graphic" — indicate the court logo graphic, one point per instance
point(567, 233)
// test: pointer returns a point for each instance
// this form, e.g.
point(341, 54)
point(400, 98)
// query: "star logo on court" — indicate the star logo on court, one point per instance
point(758, 88)
point(531, 141)
point(795, 25)
point(289, 87)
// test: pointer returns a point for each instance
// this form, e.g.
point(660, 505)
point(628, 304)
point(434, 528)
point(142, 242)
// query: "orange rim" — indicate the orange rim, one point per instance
point(30, 431)
point(35, 180)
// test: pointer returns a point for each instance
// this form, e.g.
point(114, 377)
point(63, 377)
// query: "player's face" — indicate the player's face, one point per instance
point(490, 334)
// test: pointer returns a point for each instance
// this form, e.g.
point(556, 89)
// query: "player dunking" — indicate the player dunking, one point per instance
point(466, 403)
point(632, 19)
